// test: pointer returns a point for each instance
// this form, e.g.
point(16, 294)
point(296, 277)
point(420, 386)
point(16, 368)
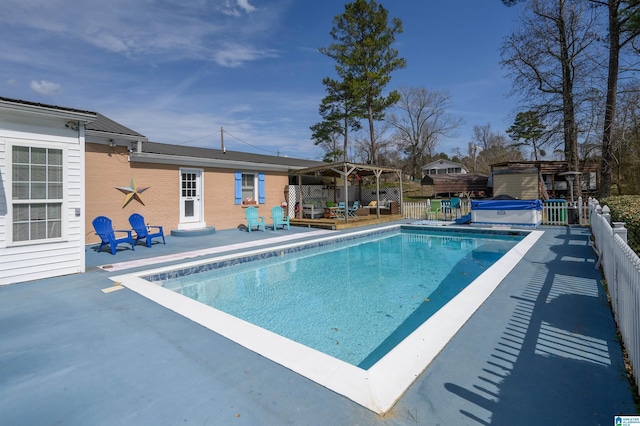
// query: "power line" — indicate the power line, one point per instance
point(233, 136)
point(247, 143)
point(196, 139)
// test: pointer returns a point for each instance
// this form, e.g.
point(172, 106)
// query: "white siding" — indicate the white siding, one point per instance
point(29, 261)
point(3, 196)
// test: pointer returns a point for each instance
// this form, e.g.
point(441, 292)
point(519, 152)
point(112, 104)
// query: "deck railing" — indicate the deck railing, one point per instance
point(621, 270)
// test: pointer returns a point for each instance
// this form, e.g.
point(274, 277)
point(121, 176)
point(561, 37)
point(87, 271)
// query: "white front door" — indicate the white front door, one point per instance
point(191, 199)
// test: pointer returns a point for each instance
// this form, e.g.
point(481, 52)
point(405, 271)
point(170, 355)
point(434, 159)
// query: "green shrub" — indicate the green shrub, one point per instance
point(626, 208)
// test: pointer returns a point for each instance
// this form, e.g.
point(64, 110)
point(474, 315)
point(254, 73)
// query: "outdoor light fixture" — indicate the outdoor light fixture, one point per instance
point(73, 125)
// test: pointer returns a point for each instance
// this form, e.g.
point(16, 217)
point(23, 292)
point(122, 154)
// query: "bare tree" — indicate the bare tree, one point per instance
point(623, 28)
point(488, 147)
point(370, 148)
point(625, 149)
point(551, 60)
point(422, 120)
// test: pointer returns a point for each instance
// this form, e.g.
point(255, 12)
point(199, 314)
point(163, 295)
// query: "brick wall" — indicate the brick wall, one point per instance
point(108, 167)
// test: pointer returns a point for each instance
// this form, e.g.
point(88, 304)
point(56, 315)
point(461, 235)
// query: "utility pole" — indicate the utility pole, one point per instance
point(224, 151)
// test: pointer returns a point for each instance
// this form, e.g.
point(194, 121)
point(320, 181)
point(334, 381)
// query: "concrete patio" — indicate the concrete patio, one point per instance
point(541, 350)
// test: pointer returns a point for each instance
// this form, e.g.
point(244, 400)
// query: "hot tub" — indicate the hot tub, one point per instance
point(527, 213)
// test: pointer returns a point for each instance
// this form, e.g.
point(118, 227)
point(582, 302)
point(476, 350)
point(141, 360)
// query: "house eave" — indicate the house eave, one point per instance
point(177, 160)
point(102, 136)
point(85, 117)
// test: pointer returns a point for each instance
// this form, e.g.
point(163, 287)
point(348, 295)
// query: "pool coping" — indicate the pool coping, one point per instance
point(377, 388)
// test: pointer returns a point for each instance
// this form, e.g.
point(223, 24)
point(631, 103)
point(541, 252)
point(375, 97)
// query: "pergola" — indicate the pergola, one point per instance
point(344, 170)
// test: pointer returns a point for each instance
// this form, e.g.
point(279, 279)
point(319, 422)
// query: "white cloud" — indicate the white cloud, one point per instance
point(46, 88)
point(235, 55)
point(244, 4)
point(230, 10)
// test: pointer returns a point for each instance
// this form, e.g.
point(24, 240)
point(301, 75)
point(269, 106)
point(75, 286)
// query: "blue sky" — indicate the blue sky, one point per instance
point(177, 71)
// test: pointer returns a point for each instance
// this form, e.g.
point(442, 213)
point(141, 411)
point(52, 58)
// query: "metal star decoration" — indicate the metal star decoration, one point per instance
point(132, 192)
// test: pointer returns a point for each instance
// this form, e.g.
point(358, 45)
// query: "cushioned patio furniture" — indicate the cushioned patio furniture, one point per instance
point(389, 207)
point(104, 229)
point(312, 211)
point(279, 218)
point(145, 232)
point(253, 220)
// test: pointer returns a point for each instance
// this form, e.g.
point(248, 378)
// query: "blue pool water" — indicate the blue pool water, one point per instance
point(354, 300)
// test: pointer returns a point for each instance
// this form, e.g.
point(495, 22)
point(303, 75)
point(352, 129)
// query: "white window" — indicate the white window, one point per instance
point(37, 193)
point(249, 186)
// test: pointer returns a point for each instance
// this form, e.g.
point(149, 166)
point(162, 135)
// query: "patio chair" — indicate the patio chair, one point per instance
point(279, 218)
point(352, 209)
point(340, 211)
point(435, 207)
point(104, 229)
point(251, 213)
point(456, 206)
point(144, 232)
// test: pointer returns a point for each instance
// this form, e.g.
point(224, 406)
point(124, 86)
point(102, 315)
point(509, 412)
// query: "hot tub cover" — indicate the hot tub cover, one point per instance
point(506, 205)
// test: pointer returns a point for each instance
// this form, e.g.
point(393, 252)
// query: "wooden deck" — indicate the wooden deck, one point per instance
point(338, 224)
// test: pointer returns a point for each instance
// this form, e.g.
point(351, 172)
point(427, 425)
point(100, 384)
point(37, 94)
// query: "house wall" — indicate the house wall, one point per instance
point(523, 186)
point(109, 167)
point(31, 260)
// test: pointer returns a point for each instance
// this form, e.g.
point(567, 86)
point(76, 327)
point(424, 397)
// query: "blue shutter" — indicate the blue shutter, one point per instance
point(261, 188)
point(238, 187)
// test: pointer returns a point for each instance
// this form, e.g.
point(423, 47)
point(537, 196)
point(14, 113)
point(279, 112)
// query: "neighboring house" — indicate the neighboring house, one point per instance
point(42, 208)
point(443, 167)
point(62, 167)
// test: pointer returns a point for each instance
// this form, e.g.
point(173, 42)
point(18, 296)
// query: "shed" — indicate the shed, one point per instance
point(464, 183)
point(521, 184)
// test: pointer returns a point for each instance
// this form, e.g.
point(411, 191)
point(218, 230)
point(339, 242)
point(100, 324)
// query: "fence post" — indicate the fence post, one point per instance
point(606, 213)
point(618, 228)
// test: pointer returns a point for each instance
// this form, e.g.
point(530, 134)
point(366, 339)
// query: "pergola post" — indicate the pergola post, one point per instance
point(300, 215)
point(377, 173)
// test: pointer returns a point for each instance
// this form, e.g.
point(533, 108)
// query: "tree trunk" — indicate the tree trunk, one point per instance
point(610, 107)
point(372, 136)
point(568, 107)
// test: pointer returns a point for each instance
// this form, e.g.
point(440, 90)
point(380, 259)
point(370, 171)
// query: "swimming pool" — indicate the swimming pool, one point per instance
point(377, 375)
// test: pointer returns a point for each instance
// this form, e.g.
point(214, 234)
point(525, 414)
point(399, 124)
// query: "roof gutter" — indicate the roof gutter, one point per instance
point(85, 117)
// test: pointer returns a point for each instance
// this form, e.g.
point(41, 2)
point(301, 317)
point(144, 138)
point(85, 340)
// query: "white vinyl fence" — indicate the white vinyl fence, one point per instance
point(555, 212)
point(420, 210)
point(621, 269)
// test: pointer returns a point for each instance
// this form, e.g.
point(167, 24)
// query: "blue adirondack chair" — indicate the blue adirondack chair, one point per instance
point(279, 218)
point(352, 209)
point(104, 229)
point(144, 232)
point(340, 211)
point(251, 213)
